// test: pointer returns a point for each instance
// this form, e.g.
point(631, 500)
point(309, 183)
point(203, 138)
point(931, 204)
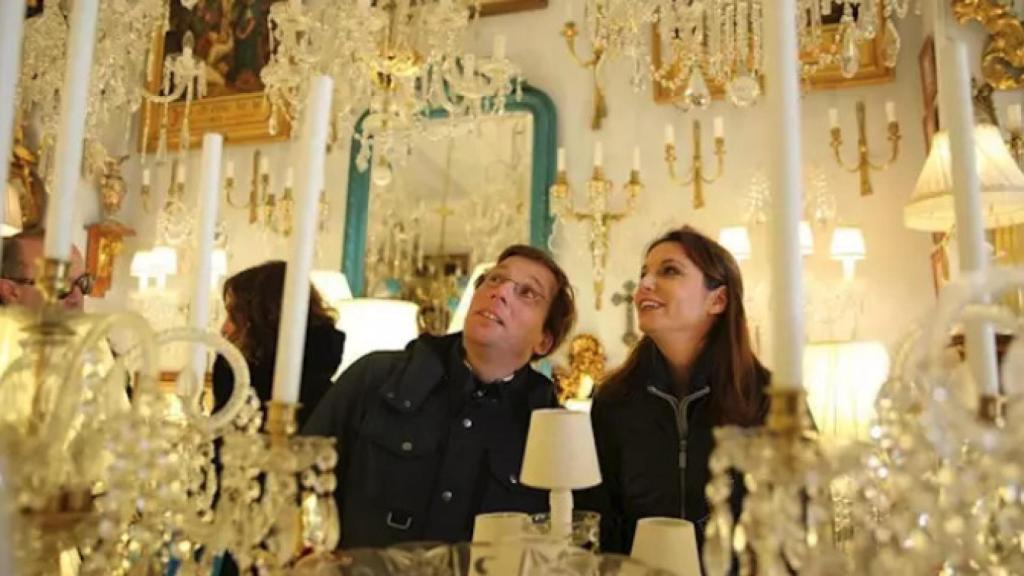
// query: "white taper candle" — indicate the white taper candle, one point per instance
point(833, 118)
point(956, 104)
point(74, 100)
point(719, 127)
point(598, 154)
point(561, 159)
point(291, 338)
point(782, 99)
point(209, 201)
point(890, 111)
point(670, 134)
point(12, 15)
point(636, 158)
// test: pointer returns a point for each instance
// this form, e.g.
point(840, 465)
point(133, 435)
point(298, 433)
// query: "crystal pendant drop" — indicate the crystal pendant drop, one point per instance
point(744, 90)
point(697, 92)
point(891, 45)
point(849, 52)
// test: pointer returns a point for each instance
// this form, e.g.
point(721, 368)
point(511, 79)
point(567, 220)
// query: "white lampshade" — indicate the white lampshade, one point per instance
point(848, 247)
point(668, 544)
point(459, 317)
point(372, 324)
point(560, 452)
point(736, 240)
point(12, 214)
point(806, 238)
point(848, 243)
point(332, 286)
point(842, 380)
point(142, 264)
point(164, 260)
point(1002, 185)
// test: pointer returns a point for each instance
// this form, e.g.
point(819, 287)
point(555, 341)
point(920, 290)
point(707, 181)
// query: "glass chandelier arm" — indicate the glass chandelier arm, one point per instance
point(216, 424)
point(68, 399)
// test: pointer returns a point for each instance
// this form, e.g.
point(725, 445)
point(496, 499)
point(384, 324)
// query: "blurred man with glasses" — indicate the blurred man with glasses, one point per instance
point(433, 435)
point(22, 265)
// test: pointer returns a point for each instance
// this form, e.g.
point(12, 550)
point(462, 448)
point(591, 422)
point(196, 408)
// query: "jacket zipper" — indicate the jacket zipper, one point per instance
point(682, 429)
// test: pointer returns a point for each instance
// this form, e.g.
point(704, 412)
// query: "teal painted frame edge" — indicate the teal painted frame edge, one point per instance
point(545, 142)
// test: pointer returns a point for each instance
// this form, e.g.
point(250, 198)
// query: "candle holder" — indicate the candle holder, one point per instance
point(864, 165)
point(593, 64)
point(597, 215)
point(787, 517)
point(293, 513)
point(695, 173)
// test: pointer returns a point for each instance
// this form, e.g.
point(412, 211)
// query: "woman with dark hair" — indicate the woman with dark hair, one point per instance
point(252, 299)
point(692, 370)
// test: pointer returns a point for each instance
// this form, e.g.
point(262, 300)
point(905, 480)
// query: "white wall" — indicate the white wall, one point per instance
point(896, 273)
point(894, 283)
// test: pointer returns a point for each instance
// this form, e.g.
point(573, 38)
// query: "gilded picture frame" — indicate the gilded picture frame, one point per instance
point(871, 69)
point(498, 7)
point(235, 47)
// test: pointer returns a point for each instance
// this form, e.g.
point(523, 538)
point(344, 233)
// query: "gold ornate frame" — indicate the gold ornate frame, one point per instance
point(871, 71)
point(1002, 60)
point(496, 7)
point(239, 117)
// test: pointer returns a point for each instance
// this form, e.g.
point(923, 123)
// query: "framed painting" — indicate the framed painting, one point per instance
point(495, 7)
point(232, 38)
point(827, 77)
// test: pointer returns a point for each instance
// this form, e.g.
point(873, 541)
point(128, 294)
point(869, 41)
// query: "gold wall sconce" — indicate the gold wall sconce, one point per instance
point(864, 165)
point(585, 371)
point(593, 64)
point(597, 214)
point(695, 175)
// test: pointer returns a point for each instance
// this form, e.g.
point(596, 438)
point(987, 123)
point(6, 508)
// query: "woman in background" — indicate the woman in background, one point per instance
point(692, 370)
point(252, 299)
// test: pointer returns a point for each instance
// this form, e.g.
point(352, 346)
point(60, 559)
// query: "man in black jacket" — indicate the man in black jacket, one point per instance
point(431, 436)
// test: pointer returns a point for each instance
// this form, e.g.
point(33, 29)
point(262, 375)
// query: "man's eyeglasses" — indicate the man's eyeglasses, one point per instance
point(522, 290)
point(83, 283)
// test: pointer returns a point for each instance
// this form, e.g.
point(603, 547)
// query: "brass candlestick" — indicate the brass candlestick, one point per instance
point(864, 165)
point(695, 174)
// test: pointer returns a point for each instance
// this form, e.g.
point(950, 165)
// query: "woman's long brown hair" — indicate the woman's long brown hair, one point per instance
point(737, 377)
point(255, 309)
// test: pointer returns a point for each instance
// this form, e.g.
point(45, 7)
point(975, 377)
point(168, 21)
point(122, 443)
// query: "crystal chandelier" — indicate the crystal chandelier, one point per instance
point(401, 62)
point(700, 45)
point(125, 30)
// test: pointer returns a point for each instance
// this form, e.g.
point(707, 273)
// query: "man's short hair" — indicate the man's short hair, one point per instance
point(562, 310)
point(13, 265)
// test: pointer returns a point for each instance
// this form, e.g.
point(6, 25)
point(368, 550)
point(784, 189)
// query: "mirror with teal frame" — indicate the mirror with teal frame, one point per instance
point(542, 175)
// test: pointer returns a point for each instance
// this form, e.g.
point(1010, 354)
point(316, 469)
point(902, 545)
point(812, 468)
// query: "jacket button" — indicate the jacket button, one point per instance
point(447, 495)
point(513, 479)
point(406, 446)
point(390, 395)
point(467, 423)
point(407, 404)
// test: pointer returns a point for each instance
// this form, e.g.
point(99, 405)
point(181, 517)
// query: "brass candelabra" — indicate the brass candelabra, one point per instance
point(597, 214)
point(695, 175)
point(864, 165)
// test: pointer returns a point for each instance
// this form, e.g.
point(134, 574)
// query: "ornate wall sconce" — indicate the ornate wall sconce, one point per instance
point(598, 215)
point(695, 173)
point(104, 244)
point(864, 165)
point(593, 64)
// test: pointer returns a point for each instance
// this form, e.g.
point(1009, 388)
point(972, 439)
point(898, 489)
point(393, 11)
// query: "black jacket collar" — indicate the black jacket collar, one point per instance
point(429, 364)
point(658, 375)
